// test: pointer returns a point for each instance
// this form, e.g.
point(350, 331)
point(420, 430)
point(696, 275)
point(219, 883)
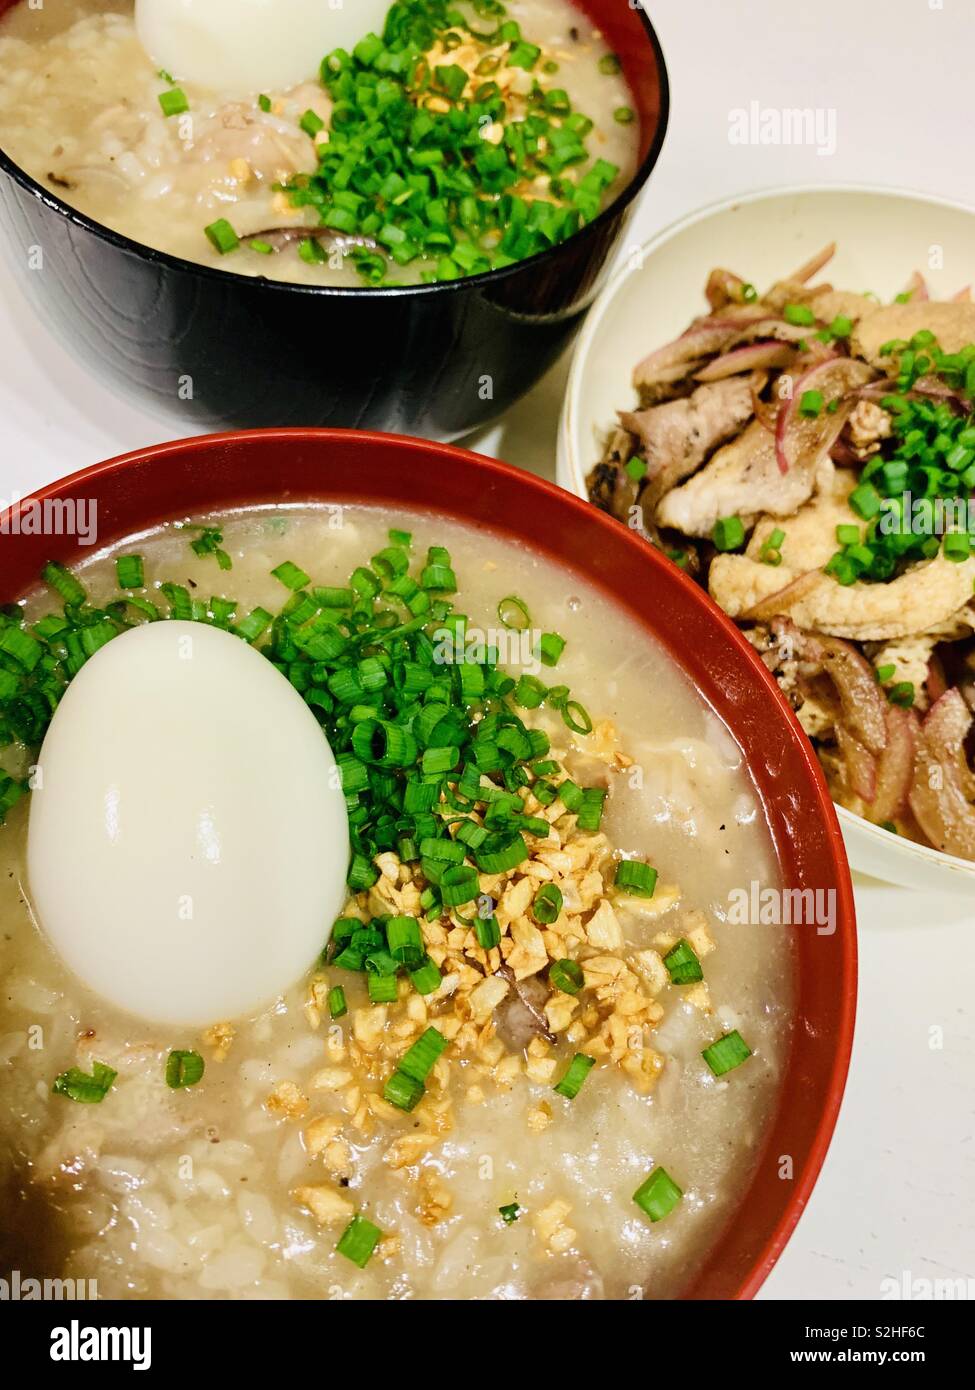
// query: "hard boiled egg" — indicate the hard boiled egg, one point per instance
point(188, 842)
point(247, 46)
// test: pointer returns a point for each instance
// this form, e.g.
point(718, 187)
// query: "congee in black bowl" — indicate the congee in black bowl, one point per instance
point(393, 216)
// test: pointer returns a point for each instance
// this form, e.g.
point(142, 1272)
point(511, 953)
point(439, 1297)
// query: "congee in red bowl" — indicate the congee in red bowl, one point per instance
point(410, 903)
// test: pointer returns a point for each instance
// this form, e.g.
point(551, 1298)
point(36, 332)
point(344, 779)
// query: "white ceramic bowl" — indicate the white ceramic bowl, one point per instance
point(882, 235)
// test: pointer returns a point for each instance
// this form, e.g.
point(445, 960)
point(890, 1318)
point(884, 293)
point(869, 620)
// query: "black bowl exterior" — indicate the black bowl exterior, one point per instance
point(224, 349)
point(234, 350)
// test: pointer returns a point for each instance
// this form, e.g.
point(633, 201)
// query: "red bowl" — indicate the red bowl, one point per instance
point(220, 471)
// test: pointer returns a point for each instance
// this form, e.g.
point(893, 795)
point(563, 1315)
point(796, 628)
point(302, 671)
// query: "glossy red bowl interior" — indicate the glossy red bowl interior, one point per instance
point(220, 471)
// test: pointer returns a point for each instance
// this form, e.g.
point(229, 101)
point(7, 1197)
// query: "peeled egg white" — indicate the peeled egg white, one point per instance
point(247, 46)
point(188, 843)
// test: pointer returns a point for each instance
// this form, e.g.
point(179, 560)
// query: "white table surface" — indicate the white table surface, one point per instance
point(898, 1190)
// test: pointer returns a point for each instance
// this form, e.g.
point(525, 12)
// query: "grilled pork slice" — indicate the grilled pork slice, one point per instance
point(745, 478)
point(677, 437)
point(952, 323)
point(921, 598)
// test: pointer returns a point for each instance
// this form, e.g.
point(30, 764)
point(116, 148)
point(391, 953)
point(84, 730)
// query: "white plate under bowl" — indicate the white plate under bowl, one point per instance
point(882, 235)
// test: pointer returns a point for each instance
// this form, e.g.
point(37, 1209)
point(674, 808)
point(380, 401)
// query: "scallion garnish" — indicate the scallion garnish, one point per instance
point(513, 612)
point(635, 877)
point(222, 236)
point(173, 102)
point(87, 1090)
point(422, 1057)
point(183, 1069)
point(548, 904)
point(129, 572)
point(488, 933)
point(658, 1196)
point(567, 976)
point(291, 575)
point(683, 965)
point(359, 1241)
point(426, 978)
point(726, 1053)
point(571, 1082)
point(405, 941)
point(728, 533)
point(210, 542)
point(550, 648)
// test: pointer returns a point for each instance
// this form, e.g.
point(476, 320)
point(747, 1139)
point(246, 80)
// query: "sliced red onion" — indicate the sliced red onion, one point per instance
point(917, 288)
point(806, 272)
point(860, 765)
point(864, 705)
point(752, 357)
point(942, 781)
point(787, 412)
point(895, 766)
point(724, 287)
point(778, 604)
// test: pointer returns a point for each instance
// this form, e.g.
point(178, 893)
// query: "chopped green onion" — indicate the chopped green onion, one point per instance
point(291, 576)
point(509, 1214)
point(728, 533)
point(129, 572)
point(420, 1059)
point(222, 236)
point(337, 1005)
point(728, 1052)
point(311, 123)
point(488, 933)
point(405, 941)
point(590, 814)
point(683, 965)
point(567, 975)
point(579, 1069)
point(183, 1069)
point(383, 989)
point(658, 1196)
point(548, 904)
point(359, 1240)
point(426, 979)
point(88, 1090)
point(173, 102)
point(513, 613)
point(635, 877)
point(550, 648)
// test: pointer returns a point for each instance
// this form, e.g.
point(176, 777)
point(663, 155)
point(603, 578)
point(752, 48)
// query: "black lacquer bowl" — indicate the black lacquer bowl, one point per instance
point(433, 360)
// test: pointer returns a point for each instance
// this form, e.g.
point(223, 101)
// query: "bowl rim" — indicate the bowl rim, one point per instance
point(748, 1282)
point(569, 421)
point(163, 260)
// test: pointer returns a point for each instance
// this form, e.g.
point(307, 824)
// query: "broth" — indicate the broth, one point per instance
point(208, 1192)
point(80, 112)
